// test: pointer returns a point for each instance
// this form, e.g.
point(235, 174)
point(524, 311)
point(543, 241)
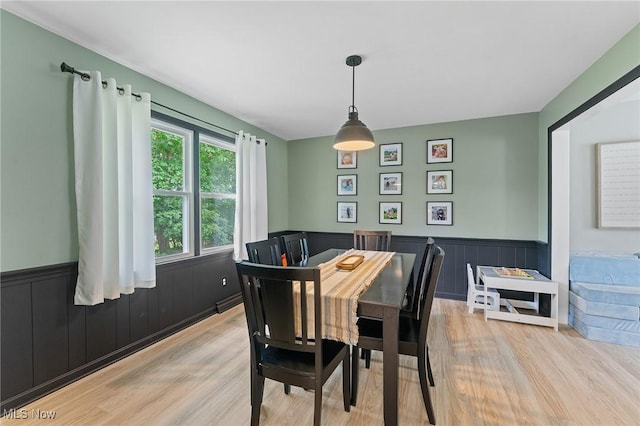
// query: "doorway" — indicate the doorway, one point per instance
point(613, 115)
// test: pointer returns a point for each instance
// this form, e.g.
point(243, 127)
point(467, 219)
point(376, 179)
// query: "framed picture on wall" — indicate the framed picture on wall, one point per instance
point(390, 183)
point(347, 159)
point(347, 184)
point(440, 182)
point(618, 184)
point(347, 212)
point(440, 151)
point(391, 154)
point(391, 213)
point(439, 213)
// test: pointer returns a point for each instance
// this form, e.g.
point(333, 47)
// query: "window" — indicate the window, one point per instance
point(191, 202)
point(217, 192)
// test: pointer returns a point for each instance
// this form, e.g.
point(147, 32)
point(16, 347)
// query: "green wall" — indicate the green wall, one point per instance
point(37, 212)
point(495, 180)
point(499, 164)
point(616, 62)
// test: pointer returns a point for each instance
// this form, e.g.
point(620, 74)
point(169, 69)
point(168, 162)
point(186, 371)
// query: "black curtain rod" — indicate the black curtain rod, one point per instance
point(86, 77)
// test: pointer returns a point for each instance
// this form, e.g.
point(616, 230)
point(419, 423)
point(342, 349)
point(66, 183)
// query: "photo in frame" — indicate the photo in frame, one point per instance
point(391, 154)
point(347, 159)
point(439, 213)
point(440, 151)
point(391, 212)
point(347, 184)
point(390, 183)
point(440, 182)
point(347, 212)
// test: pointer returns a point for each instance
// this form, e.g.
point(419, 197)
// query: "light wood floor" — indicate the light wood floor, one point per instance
point(493, 373)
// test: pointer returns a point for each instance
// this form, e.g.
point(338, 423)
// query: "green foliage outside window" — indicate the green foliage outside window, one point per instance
point(217, 169)
point(217, 221)
point(167, 165)
point(167, 160)
point(217, 180)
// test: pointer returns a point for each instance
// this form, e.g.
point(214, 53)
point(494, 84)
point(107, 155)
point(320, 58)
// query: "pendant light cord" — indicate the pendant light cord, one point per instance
point(353, 89)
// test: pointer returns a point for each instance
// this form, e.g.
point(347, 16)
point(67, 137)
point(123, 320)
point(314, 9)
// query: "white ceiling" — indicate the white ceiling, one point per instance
point(281, 65)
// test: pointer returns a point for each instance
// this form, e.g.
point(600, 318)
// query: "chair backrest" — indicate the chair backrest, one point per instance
point(470, 280)
point(265, 252)
point(273, 327)
point(417, 292)
point(427, 302)
point(372, 240)
point(296, 248)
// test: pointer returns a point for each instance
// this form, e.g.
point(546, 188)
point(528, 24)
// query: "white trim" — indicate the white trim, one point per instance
point(560, 223)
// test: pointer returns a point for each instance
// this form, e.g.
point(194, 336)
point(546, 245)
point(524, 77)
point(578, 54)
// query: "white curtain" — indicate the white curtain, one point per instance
point(251, 193)
point(111, 132)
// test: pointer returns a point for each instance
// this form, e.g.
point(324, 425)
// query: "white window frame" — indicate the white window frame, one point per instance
point(210, 140)
point(186, 193)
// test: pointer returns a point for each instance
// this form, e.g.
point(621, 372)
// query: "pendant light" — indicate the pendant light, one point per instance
point(354, 135)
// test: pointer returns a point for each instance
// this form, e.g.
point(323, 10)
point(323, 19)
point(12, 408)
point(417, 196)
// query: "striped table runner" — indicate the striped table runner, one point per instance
point(340, 293)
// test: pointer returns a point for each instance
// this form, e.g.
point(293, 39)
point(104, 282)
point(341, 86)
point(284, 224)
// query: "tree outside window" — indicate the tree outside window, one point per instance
point(182, 198)
point(217, 192)
point(172, 194)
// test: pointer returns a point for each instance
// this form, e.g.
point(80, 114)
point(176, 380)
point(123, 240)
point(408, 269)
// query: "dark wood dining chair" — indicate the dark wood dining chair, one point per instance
point(412, 336)
point(265, 252)
point(372, 240)
point(296, 248)
point(414, 294)
point(413, 306)
point(268, 252)
point(376, 241)
point(280, 352)
point(416, 291)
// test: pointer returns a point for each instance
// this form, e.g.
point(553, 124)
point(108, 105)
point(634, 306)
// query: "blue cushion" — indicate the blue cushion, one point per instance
point(611, 310)
point(605, 270)
point(604, 293)
point(604, 329)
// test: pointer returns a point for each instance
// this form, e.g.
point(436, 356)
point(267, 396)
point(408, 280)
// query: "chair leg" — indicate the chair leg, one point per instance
point(257, 391)
point(471, 301)
point(287, 388)
point(355, 367)
point(422, 374)
point(346, 382)
point(429, 371)
point(366, 355)
point(317, 406)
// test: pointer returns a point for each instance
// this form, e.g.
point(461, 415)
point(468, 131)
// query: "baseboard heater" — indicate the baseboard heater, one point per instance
point(228, 303)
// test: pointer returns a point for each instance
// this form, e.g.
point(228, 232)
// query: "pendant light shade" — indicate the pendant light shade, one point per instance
point(354, 134)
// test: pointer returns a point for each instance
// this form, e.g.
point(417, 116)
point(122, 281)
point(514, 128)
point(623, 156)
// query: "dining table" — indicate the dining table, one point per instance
point(382, 300)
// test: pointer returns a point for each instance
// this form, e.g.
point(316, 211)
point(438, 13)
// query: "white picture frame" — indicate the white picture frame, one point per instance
point(347, 212)
point(391, 183)
point(347, 159)
point(347, 184)
point(390, 212)
point(439, 213)
point(440, 182)
point(618, 188)
point(440, 151)
point(391, 154)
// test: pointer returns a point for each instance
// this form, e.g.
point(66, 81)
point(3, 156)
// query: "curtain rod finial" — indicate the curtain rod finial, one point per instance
point(66, 68)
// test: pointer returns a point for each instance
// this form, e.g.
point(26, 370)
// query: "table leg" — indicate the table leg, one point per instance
point(390, 365)
point(554, 310)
